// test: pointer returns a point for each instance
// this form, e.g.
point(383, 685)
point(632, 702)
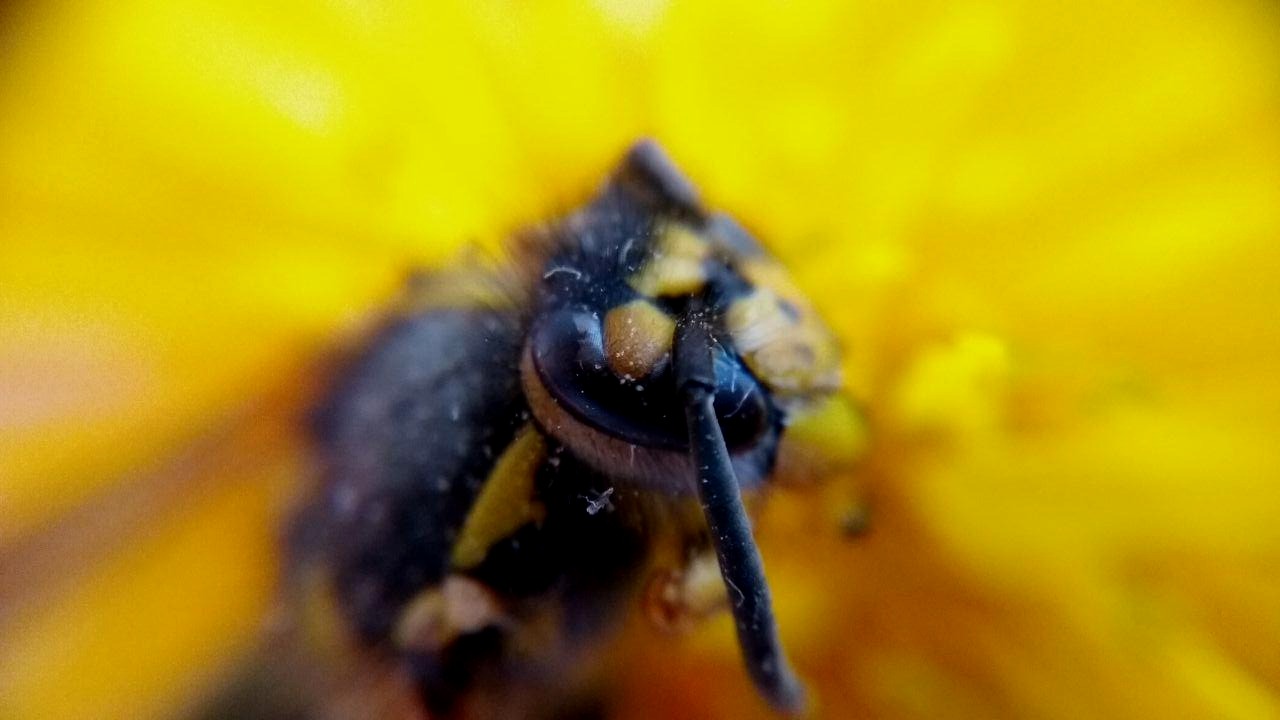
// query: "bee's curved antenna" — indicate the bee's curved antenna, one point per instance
point(647, 171)
point(740, 563)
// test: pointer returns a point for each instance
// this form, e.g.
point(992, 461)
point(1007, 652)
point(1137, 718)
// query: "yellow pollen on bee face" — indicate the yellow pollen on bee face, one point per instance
point(789, 351)
point(637, 336)
point(676, 266)
point(770, 275)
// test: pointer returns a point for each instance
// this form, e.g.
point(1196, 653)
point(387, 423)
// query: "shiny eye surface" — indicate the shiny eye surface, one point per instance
point(567, 354)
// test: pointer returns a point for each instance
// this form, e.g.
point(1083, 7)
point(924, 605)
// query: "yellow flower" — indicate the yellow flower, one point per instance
point(1047, 235)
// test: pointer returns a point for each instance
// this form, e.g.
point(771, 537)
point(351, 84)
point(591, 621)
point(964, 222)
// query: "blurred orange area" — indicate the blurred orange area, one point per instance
point(1046, 237)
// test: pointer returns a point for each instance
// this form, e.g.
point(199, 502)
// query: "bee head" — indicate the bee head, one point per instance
point(598, 367)
point(605, 385)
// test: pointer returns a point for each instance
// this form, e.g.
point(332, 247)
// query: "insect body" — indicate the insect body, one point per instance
point(523, 452)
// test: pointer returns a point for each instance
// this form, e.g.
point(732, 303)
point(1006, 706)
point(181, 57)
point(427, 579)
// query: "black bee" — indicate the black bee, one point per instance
point(526, 450)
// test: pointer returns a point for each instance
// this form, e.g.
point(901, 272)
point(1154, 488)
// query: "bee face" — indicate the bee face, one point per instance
point(597, 369)
point(502, 477)
point(603, 383)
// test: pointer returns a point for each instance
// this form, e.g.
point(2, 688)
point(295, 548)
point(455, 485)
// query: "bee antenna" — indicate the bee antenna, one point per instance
point(647, 170)
point(740, 562)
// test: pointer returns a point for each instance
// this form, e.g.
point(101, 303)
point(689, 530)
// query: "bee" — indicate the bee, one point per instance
point(525, 451)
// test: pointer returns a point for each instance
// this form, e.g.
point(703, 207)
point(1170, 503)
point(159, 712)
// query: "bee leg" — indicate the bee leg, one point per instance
point(449, 637)
point(441, 614)
point(675, 600)
point(721, 499)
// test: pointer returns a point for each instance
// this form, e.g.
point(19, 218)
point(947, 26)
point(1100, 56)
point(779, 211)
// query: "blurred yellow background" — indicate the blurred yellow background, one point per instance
point(1048, 236)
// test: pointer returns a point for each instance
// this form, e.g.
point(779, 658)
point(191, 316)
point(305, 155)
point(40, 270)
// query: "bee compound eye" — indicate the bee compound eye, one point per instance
point(577, 395)
point(565, 361)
